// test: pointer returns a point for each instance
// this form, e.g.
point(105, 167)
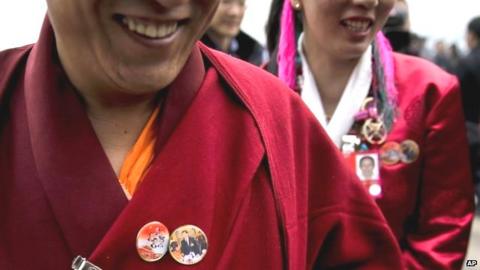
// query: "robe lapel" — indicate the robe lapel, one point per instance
point(75, 173)
point(199, 178)
point(179, 97)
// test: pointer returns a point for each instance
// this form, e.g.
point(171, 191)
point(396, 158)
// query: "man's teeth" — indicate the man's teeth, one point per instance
point(357, 26)
point(150, 29)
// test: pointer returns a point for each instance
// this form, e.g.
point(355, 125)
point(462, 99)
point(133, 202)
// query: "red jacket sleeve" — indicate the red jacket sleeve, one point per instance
point(445, 208)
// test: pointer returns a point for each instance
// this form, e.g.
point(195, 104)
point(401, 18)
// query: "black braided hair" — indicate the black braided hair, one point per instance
point(272, 30)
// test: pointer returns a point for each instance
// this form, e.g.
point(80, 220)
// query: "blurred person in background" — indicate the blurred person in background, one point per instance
point(397, 27)
point(455, 55)
point(442, 56)
point(403, 109)
point(397, 30)
point(224, 34)
point(468, 72)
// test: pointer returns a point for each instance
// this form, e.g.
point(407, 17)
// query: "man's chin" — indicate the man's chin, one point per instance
point(145, 81)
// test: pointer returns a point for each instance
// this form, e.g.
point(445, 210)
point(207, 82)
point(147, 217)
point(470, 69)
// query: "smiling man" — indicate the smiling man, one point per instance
point(118, 123)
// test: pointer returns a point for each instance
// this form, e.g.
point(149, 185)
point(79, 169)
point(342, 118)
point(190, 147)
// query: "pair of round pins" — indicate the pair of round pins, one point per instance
point(187, 245)
point(392, 152)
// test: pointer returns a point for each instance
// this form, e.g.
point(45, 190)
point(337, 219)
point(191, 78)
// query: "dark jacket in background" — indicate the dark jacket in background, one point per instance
point(468, 72)
point(244, 47)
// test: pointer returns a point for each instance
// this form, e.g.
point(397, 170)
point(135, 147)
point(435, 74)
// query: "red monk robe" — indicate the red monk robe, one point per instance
point(250, 167)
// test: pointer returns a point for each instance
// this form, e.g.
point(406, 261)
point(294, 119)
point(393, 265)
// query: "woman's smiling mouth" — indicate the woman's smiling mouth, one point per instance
point(357, 25)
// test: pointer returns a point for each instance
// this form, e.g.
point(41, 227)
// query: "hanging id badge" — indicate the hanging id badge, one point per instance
point(366, 165)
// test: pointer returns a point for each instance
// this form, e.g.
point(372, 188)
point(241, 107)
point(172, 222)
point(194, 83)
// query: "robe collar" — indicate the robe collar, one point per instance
point(78, 180)
point(351, 101)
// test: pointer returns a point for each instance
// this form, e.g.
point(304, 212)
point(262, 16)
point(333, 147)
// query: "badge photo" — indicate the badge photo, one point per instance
point(188, 245)
point(410, 151)
point(367, 168)
point(152, 241)
point(390, 153)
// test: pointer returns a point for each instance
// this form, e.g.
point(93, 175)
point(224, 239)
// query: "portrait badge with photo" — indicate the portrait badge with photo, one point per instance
point(367, 168)
point(188, 244)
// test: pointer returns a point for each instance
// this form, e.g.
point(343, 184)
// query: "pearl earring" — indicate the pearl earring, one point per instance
point(296, 5)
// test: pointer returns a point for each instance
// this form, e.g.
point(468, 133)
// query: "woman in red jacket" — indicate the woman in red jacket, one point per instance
point(402, 112)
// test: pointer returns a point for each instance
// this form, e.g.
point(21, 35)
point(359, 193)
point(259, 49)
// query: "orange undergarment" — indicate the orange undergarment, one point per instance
point(138, 160)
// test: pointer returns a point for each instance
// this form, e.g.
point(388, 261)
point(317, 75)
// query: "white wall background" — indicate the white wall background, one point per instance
point(20, 20)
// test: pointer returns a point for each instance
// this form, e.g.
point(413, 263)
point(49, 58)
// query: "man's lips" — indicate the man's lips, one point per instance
point(149, 28)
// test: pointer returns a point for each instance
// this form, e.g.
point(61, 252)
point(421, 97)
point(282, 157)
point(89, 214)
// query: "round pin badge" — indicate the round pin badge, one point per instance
point(374, 131)
point(410, 151)
point(188, 245)
point(390, 153)
point(375, 190)
point(152, 241)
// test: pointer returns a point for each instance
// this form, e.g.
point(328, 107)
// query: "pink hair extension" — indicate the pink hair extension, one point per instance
point(287, 46)
point(385, 50)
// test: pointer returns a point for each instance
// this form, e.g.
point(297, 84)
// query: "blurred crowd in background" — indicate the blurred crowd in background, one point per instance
point(445, 54)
